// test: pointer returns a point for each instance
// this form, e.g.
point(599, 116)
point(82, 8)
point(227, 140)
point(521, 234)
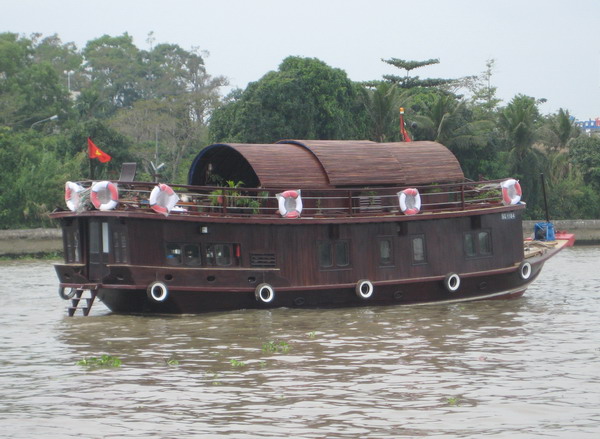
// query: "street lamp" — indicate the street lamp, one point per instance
point(44, 120)
point(69, 73)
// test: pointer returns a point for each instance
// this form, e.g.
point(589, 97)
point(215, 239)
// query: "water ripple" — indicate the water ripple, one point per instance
point(522, 368)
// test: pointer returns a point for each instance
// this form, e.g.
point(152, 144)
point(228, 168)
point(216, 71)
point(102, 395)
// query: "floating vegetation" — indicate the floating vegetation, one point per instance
point(312, 334)
point(273, 346)
point(214, 377)
point(237, 363)
point(453, 401)
point(105, 361)
point(172, 361)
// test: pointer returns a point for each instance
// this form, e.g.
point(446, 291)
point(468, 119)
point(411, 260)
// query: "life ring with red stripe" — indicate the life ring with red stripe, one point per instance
point(163, 198)
point(290, 204)
point(410, 201)
point(72, 197)
point(104, 195)
point(511, 192)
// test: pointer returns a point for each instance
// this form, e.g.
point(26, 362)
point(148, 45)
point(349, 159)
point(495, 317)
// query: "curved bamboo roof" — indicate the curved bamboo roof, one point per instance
point(326, 163)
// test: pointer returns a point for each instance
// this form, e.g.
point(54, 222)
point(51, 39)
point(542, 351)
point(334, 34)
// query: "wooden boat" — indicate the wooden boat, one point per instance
point(314, 224)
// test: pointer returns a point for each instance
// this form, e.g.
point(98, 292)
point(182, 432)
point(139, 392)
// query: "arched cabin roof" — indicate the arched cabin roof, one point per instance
point(326, 163)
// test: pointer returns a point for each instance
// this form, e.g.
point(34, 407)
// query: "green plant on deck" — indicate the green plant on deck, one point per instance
point(105, 361)
point(235, 198)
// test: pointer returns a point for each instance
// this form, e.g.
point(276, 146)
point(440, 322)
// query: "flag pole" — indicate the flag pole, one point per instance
point(403, 132)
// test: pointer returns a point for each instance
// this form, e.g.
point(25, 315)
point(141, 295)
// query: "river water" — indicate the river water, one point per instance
point(524, 368)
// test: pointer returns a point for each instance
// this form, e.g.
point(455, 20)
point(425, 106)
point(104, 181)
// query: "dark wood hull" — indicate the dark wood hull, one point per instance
point(416, 292)
point(296, 280)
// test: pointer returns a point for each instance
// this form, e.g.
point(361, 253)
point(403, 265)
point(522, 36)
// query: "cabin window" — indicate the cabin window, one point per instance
point(485, 243)
point(119, 244)
point(220, 255)
point(325, 254)
point(418, 249)
point(333, 254)
point(173, 254)
point(470, 248)
point(478, 243)
point(73, 253)
point(191, 254)
point(386, 256)
point(342, 256)
point(105, 246)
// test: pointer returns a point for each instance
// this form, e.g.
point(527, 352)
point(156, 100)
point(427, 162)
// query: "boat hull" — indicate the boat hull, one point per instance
point(501, 284)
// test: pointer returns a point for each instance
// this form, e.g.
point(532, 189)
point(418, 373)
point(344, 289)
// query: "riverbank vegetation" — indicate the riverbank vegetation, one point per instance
point(162, 106)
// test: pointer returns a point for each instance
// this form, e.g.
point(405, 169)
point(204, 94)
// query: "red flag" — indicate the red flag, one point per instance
point(403, 131)
point(96, 153)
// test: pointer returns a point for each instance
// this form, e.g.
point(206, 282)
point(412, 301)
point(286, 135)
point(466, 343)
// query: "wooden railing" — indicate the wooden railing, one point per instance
point(205, 200)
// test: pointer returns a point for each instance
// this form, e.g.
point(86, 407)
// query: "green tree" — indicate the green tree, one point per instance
point(446, 119)
point(572, 198)
point(585, 155)
point(483, 94)
point(558, 129)
point(382, 104)
point(407, 81)
point(32, 177)
point(518, 121)
point(29, 91)
point(63, 57)
point(113, 67)
point(179, 96)
point(304, 99)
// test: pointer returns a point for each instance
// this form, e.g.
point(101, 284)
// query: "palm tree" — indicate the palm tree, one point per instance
point(381, 104)
point(451, 122)
point(519, 123)
point(560, 129)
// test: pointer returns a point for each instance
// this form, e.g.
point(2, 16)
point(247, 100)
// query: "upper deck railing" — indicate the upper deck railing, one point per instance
point(346, 202)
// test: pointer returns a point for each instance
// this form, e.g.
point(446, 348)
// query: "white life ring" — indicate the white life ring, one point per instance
point(157, 291)
point(163, 199)
point(290, 204)
point(104, 195)
point(72, 197)
point(264, 293)
point(511, 192)
point(64, 295)
point(452, 282)
point(525, 270)
point(410, 201)
point(364, 289)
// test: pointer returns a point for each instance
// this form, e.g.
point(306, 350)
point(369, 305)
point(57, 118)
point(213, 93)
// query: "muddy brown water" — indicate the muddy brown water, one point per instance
point(524, 368)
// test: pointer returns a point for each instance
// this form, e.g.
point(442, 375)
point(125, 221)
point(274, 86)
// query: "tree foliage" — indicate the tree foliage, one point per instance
point(407, 81)
point(161, 104)
point(32, 177)
point(585, 155)
point(304, 98)
point(29, 91)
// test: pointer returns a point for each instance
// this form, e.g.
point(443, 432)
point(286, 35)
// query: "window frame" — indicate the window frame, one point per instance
point(333, 245)
point(413, 238)
point(475, 239)
point(392, 258)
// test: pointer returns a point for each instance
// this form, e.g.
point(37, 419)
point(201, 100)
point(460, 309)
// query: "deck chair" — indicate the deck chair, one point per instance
point(128, 172)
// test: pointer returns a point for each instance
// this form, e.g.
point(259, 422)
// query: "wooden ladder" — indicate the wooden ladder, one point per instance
point(82, 301)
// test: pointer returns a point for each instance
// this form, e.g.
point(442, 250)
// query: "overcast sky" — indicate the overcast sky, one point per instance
point(543, 48)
